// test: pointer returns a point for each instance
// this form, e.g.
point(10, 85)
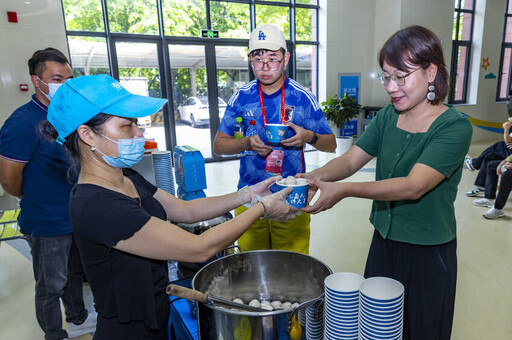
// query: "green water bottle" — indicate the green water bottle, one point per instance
point(239, 128)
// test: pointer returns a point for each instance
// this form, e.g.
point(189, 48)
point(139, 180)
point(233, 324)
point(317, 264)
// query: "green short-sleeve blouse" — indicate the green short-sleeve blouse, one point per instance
point(429, 220)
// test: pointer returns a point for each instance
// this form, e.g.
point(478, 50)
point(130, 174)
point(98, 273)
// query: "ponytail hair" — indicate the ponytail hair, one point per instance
point(72, 141)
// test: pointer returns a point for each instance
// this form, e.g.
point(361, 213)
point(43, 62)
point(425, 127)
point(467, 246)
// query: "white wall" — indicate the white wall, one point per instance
point(40, 25)
point(387, 19)
point(358, 29)
point(485, 107)
point(355, 31)
point(347, 43)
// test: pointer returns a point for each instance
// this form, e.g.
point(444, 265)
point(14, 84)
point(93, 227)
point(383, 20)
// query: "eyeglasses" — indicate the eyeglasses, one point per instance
point(273, 64)
point(398, 77)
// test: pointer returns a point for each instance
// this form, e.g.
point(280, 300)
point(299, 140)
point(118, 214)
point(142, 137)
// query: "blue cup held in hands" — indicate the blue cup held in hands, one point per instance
point(275, 133)
point(299, 196)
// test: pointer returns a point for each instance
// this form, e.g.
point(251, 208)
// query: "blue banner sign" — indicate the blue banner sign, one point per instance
point(349, 83)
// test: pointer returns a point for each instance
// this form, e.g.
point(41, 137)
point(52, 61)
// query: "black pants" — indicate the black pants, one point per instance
point(505, 188)
point(112, 329)
point(429, 275)
point(58, 274)
point(491, 185)
point(497, 151)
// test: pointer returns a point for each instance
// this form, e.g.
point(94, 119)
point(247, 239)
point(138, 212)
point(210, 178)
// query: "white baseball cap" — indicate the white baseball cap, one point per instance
point(266, 37)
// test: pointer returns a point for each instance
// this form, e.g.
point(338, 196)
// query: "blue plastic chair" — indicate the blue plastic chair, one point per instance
point(9, 227)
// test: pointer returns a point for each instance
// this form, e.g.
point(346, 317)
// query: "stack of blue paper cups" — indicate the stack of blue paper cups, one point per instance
point(342, 306)
point(162, 166)
point(315, 322)
point(381, 309)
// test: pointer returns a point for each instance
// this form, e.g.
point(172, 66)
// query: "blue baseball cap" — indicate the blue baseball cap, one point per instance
point(80, 99)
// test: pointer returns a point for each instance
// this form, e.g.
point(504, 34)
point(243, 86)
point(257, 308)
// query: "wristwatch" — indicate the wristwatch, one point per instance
point(314, 139)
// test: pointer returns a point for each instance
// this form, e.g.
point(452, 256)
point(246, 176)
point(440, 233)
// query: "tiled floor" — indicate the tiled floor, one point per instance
point(340, 237)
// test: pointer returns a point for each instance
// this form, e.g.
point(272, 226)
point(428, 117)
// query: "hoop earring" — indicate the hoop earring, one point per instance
point(431, 94)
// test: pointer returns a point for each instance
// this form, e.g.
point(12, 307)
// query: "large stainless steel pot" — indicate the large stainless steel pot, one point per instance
point(264, 274)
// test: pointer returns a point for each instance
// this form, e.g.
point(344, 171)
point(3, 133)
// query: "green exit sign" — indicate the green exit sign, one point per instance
point(209, 34)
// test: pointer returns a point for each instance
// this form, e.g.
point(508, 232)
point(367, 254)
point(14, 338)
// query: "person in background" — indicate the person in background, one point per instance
point(120, 220)
point(509, 103)
point(36, 171)
point(497, 151)
point(420, 146)
point(496, 201)
point(275, 99)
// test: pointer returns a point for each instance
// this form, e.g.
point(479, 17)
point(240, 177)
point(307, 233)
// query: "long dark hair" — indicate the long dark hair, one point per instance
point(71, 143)
point(417, 45)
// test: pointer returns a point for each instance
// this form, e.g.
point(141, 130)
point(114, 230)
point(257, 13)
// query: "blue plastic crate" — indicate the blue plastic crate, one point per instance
point(182, 324)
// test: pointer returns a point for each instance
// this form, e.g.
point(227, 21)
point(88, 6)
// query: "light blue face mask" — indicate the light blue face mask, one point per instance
point(52, 88)
point(131, 152)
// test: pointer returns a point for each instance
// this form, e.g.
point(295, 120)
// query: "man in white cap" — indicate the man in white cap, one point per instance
point(272, 98)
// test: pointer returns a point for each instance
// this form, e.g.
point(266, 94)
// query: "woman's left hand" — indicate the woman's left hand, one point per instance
point(330, 194)
point(300, 138)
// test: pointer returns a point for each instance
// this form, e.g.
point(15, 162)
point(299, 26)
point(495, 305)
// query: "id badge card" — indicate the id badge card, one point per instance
point(274, 162)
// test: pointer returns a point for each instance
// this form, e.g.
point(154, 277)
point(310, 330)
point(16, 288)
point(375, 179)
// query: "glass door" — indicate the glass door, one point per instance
point(232, 73)
point(138, 71)
point(190, 97)
point(200, 74)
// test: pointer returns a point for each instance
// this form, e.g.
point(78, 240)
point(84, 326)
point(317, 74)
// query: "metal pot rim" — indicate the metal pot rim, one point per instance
point(208, 223)
point(261, 314)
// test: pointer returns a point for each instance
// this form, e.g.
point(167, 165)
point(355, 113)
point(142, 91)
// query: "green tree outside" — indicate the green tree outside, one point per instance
point(181, 18)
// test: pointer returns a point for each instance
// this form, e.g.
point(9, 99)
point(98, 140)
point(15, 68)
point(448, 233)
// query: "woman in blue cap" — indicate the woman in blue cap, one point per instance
point(120, 220)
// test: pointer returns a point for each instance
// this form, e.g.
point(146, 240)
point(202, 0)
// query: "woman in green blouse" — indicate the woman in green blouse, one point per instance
point(420, 145)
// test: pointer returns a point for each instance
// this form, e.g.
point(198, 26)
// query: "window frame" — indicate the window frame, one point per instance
point(456, 45)
point(291, 42)
point(504, 46)
point(162, 40)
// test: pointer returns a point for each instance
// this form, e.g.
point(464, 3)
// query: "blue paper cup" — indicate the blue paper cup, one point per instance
point(299, 196)
point(162, 167)
point(275, 133)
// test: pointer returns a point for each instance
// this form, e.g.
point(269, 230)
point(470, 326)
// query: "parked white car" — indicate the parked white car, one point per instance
point(195, 111)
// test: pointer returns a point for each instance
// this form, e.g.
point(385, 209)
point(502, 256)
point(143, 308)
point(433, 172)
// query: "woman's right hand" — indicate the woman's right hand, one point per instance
point(276, 207)
point(330, 194)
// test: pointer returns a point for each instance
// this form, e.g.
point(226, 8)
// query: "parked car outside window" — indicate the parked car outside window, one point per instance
point(195, 111)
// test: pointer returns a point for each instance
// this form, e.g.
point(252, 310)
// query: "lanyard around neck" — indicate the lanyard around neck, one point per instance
point(263, 104)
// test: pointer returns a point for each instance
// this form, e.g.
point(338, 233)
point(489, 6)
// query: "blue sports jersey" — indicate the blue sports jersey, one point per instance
point(302, 109)
point(46, 186)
